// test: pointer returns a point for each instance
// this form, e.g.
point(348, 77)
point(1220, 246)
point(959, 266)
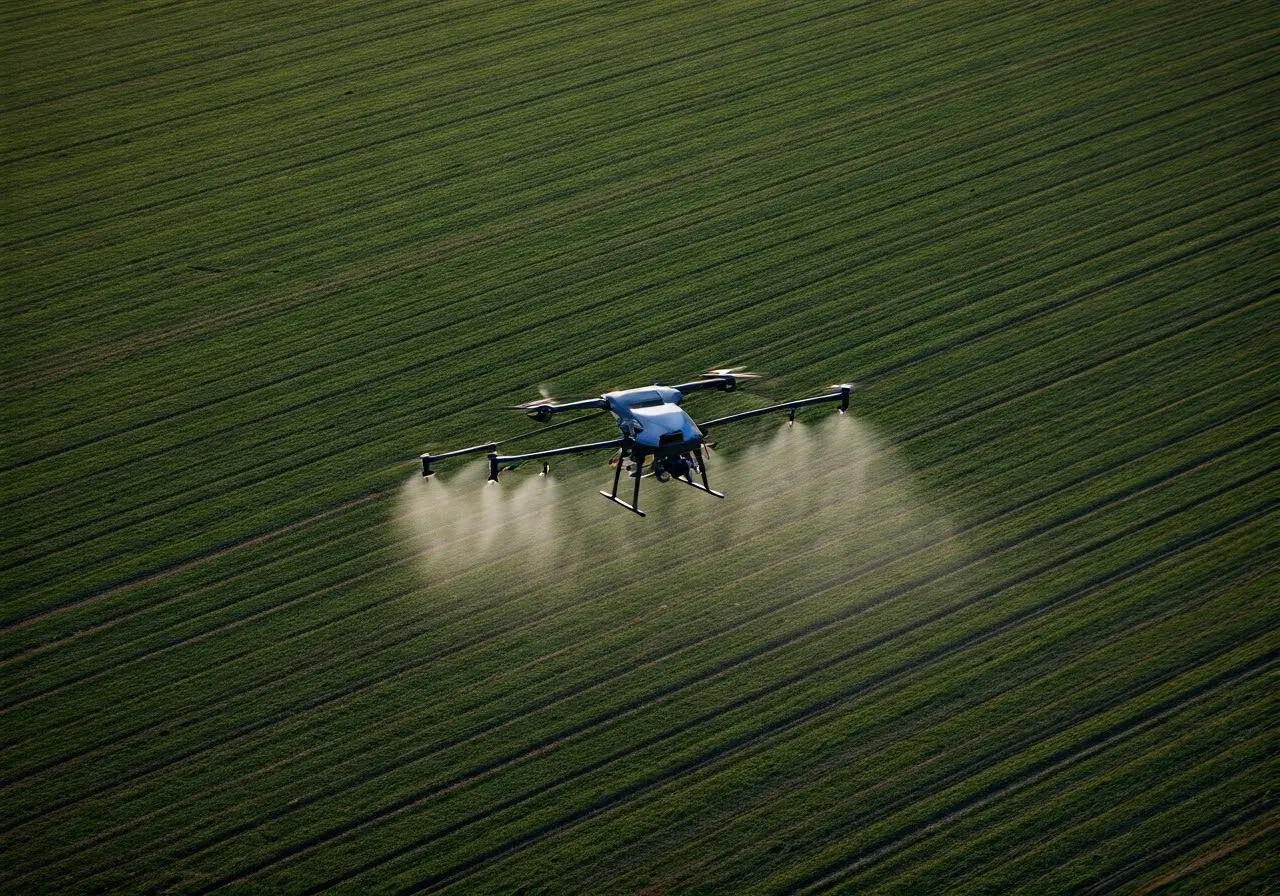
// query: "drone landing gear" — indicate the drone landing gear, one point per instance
point(634, 506)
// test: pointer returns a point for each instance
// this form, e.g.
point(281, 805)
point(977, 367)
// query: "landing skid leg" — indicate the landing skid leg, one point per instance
point(634, 506)
point(617, 474)
point(702, 470)
point(635, 497)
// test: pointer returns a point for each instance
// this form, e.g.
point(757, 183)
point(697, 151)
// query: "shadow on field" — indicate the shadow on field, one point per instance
point(829, 501)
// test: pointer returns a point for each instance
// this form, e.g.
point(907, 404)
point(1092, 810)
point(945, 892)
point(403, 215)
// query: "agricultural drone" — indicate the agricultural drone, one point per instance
point(654, 429)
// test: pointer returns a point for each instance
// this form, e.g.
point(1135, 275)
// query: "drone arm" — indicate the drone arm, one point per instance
point(496, 459)
point(841, 394)
point(585, 404)
point(429, 459)
point(723, 382)
point(490, 447)
point(542, 410)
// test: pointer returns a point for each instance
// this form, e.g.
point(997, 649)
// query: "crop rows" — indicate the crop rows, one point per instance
point(96, 474)
point(1010, 626)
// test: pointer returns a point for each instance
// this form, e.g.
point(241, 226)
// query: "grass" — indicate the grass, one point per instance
point(1010, 626)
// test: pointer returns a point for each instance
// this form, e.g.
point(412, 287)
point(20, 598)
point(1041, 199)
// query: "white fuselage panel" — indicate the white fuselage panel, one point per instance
point(653, 418)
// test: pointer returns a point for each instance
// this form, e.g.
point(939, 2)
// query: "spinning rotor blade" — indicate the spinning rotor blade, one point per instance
point(541, 409)
point(735, 372)
point(547, 398)
point(545, 392)
point(723, 378)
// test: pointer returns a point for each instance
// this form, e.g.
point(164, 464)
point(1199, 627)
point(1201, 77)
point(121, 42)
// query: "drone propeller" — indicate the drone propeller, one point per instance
point(541, 409)
point(547, 398)
point(737, 372)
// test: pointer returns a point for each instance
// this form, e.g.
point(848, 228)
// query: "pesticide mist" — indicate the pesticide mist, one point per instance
point(808, 506)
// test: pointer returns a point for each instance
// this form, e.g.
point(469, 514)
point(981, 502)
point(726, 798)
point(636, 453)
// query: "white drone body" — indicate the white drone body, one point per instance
point(653, 418)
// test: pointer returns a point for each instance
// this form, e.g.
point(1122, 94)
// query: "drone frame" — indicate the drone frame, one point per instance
point(543, 410)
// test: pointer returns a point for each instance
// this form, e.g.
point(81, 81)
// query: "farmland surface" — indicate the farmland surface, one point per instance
point(1010, 625)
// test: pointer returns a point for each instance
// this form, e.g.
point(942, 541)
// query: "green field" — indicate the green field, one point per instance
point(1010, 625)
